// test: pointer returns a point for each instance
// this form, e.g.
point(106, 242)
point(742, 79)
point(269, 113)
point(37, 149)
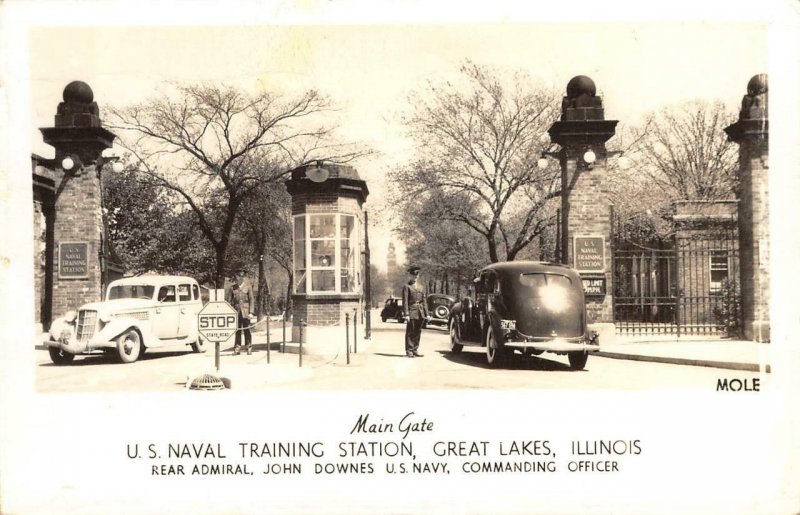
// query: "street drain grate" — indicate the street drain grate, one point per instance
point(207, 382)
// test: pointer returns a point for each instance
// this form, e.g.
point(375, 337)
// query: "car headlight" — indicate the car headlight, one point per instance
point(71, 316)
point(105, 317)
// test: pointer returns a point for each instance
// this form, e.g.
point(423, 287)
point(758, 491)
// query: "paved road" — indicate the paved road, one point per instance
point(382, 366)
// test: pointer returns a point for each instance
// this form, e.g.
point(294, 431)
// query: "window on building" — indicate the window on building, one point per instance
point(718, 268)
point(325, 253)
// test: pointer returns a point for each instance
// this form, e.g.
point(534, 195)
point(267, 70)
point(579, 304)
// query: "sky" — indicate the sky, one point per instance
point(369, 70)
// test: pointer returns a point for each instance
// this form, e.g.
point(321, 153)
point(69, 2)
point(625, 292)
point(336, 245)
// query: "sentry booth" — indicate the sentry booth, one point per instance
point(328, 243)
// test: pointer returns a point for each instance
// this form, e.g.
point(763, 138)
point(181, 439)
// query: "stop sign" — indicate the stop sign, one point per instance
point(217, 321)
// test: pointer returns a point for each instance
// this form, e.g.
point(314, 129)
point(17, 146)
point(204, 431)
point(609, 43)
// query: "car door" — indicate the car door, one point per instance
point(187, 312)
point(167, 313)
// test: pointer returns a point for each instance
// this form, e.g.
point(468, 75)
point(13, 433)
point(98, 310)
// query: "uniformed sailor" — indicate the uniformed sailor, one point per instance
point(415, 312)
point(240, 296)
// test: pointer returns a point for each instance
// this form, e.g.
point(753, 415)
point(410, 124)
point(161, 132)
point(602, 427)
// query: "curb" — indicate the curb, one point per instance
point(746, 367)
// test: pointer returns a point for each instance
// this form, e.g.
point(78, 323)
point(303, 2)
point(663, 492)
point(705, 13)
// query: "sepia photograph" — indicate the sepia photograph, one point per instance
point(331, 257)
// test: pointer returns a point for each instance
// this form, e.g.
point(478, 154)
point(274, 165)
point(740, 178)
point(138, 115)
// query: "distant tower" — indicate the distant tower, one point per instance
point(391, 268)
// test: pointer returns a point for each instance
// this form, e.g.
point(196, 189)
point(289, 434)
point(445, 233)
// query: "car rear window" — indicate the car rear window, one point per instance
point(540, 280)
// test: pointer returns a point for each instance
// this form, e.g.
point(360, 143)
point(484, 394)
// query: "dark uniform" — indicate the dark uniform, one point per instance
point(241, 298)
point(415, 311)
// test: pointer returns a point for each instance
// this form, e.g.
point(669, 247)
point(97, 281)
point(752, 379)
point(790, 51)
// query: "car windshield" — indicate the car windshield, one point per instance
point(131, 291)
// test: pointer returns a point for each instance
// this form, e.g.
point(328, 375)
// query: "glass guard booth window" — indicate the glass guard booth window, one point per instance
point(325, 253)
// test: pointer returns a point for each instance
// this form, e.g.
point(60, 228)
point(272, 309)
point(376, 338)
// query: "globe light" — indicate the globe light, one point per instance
point(589, 157)
point(542, 163)
point(117, 167)
point(67, 163)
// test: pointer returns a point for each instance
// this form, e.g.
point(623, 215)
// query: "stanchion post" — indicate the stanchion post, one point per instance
point(283, 340)
point(216, 355)
point(302, 337)
point(268, 342)
point(355, 331)
point(347, 334)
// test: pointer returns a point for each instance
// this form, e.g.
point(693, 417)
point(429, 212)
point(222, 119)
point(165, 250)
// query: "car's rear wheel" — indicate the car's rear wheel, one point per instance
point(60, 356)
point(494, 355)
point(129, 346)
point(200, 345)
point(577, 360)
point(455, 339)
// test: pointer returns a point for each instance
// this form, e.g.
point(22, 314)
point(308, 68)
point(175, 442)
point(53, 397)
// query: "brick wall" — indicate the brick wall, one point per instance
point(585, 212)
point(39, 263)
point(754, 237)
point(78, 218)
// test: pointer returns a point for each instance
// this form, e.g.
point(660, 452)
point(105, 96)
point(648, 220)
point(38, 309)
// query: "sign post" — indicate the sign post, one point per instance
point(217, 322)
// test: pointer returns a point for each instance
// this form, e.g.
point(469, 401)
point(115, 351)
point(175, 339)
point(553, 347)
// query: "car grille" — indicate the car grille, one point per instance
point(87, 320)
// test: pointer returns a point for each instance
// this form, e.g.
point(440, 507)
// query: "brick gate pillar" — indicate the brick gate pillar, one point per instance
point(328, 240)
point(80, 253)
point(751, 132)
point(582, 133)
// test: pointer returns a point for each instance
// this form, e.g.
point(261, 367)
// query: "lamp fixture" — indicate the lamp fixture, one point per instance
point(542, 163)
point(68, 163)
point(589, 157)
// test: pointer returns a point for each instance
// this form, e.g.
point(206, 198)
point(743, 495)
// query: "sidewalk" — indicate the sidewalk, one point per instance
point(728, 354)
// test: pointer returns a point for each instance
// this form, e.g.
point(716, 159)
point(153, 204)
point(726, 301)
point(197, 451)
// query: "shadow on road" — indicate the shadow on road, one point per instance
point(516, 362)
point(111, 358)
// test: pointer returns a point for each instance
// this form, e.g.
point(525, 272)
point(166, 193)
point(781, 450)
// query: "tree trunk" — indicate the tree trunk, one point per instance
point(219, 272)
point(262, 293)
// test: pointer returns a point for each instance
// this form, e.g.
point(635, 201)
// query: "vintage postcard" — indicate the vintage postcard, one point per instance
point(351, 257)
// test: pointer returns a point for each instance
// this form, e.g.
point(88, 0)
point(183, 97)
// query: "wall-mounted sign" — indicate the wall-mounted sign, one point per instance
point(589, 252)
point(594, 286)
point(73, 260)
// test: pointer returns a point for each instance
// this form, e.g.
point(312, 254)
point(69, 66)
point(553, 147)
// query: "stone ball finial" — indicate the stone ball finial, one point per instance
point(78, 92)
point(581, 85)
point(758, 84)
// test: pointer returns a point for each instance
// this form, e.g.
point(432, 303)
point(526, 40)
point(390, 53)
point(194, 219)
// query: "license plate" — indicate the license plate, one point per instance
point(508, 324)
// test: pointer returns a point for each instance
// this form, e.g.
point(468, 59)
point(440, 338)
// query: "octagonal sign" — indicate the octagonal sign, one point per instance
point(217, 321)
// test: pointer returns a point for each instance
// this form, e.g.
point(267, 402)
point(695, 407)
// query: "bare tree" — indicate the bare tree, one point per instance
point(213, 145)
point(684, 151)
point(477, 146)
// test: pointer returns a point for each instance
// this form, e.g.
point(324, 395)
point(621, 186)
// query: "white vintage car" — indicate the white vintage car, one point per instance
point(138, 313)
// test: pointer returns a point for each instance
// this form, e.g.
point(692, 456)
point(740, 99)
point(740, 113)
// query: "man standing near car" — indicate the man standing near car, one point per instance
point(240, 296)
point(415, 311)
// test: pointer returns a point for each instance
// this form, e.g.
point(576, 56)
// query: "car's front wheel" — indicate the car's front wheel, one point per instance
point(200, 345)
point(494, 355)
point(577, 360)
point(455, 339)
point(60, 356)
point(129, 346)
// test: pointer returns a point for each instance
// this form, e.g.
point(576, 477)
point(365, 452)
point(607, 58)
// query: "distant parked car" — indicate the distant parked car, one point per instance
point(393, 308)
point(525, 306)
point(439, 308)
point(138, 313)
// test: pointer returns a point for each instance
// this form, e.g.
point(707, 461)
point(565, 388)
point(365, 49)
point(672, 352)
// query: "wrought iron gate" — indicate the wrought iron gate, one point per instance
point(684, 284)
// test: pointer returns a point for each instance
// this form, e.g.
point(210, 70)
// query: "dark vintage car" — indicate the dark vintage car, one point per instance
point(527, 307)
point(439, 307)
point(393, 308)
